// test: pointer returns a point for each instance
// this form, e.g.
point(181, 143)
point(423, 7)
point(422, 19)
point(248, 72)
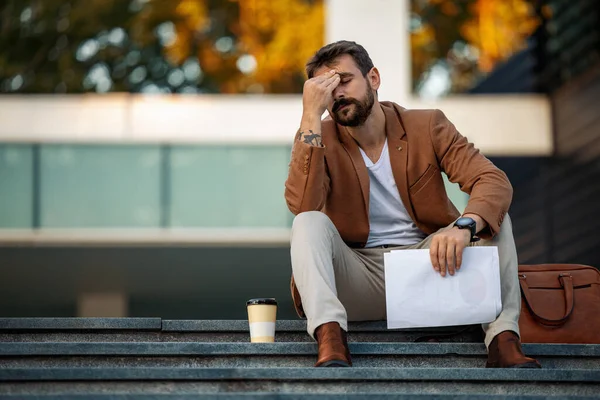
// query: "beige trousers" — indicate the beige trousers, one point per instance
point(341, 284)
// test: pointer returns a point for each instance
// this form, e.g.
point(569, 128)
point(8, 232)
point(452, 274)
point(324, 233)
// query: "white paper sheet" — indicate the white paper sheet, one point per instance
point(418, 296)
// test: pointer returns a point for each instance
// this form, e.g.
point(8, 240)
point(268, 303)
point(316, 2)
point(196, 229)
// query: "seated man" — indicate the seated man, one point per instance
point(366, 180)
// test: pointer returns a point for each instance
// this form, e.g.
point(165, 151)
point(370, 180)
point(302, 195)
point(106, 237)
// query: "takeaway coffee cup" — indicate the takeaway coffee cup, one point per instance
point(261, 317)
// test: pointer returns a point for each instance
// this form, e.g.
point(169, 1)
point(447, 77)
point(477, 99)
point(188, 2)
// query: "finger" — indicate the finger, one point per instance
point(450, 257)
point(433, 255)
point(333, 82)
point(329, 80)
point(442, 258)
point(459, 252)
point(332, 79)
point(326, 76)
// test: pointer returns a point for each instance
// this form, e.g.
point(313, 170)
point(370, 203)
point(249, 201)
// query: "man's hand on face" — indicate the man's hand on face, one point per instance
point(447, 248)
point(317, 93)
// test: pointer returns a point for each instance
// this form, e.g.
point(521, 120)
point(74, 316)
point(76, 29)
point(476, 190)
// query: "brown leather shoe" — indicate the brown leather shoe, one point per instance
point(505, 352)
point(333, 346)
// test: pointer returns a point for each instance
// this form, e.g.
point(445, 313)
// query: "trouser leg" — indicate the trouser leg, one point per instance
point(335, 282)
point(508, 320)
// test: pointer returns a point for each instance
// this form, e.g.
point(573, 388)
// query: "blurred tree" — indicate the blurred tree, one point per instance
point(274, 32)
point(168, 46)
point(465, 38)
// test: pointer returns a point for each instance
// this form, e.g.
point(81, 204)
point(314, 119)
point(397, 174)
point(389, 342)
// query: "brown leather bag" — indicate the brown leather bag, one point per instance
point(560, 303)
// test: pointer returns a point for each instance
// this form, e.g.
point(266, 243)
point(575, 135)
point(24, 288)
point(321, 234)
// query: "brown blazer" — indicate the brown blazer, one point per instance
point(422, 143)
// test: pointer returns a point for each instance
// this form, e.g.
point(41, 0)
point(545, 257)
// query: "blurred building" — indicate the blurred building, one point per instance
point(556, 198)
point(152, 183)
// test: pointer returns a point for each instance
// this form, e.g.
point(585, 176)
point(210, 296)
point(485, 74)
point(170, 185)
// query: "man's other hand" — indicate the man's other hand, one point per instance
point(447, 248)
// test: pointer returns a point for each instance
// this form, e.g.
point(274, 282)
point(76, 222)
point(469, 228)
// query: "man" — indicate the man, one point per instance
point(367, 180)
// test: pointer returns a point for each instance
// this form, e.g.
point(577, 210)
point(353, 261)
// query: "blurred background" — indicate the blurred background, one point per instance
point(144, 144)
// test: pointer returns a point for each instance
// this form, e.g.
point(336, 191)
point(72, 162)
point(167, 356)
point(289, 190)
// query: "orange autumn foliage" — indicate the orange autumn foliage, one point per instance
point(275, 33)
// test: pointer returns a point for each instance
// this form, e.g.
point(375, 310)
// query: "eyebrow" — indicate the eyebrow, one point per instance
point(345, 75)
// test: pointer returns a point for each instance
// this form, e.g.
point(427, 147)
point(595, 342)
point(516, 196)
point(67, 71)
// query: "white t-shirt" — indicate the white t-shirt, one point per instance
point(388, 218)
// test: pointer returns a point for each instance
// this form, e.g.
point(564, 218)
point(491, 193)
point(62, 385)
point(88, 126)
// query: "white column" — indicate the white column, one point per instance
point(381, 27)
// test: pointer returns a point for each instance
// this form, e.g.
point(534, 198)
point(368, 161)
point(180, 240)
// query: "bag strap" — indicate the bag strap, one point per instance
point(566, 281)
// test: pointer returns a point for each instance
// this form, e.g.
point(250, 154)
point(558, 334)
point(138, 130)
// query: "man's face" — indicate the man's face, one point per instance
point(353, 99)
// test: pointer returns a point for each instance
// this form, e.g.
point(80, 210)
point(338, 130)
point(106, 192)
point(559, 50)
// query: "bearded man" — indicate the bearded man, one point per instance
point(367, 180)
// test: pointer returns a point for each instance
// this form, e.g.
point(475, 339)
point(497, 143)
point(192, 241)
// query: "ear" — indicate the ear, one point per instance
point(374, 78)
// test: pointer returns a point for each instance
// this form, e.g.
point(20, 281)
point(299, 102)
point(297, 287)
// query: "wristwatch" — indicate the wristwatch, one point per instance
point(468, 223)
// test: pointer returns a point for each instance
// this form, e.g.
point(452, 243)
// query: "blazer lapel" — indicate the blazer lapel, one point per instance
point(398, 149)
point(353, 151)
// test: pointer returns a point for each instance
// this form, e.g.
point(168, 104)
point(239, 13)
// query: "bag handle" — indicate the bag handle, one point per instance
point(566, 281)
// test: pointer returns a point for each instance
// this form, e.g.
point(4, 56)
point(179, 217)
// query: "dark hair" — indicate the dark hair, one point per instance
point(327, 54)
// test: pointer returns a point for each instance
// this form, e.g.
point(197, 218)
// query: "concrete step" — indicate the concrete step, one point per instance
point(154, 358)
point(293, 354)
point(155, 329)
point(546, 382)
point(289, 396)
point(298, 374)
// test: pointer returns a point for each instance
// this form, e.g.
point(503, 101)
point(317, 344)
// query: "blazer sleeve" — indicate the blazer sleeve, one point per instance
point(307, 184)
point(489, 188)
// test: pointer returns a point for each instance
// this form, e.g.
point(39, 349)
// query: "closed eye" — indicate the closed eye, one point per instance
point(345, 77)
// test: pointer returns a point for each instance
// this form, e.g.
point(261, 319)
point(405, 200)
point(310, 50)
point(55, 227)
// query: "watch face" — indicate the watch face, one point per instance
point(464, 221)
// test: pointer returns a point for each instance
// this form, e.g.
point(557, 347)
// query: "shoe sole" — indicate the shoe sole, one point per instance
point(525, 365)
point(335, 363)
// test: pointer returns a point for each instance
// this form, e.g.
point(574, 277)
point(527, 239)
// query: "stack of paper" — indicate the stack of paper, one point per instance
point(418, 296)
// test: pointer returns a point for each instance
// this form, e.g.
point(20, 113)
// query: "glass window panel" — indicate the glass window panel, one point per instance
point(229, 186)
point(16, 186)
point(100, 186)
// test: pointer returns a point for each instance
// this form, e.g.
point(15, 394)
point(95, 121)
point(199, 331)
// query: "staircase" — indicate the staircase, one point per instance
point(135, 358)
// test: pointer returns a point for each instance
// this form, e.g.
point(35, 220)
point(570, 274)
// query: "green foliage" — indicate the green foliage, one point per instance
point(168, 46)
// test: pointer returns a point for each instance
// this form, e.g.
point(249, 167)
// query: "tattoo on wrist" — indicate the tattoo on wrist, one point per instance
point(310, 137)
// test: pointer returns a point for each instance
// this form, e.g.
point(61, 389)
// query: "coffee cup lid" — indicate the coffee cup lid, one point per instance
point(266, 300)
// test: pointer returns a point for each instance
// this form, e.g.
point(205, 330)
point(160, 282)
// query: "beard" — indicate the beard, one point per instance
point(356, 111)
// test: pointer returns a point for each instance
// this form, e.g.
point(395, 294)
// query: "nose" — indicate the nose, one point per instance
point(338, 93)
